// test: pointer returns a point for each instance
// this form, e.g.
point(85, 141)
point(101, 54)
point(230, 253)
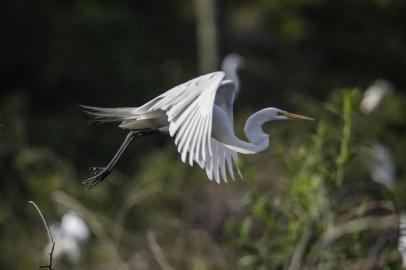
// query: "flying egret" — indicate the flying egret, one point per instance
point(199, 115)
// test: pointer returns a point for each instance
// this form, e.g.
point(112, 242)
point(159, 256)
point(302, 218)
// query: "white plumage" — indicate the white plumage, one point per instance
point(374, 95)
point(189, 108)
point(69, 236)
point(198, 114)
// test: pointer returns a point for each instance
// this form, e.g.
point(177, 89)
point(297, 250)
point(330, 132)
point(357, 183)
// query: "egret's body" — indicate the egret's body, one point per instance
point(199, 115)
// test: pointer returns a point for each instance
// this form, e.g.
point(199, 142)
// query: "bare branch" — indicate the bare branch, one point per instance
point(133, 199)
point(51, 239)
point(157, 252)
point(301, 248)
point(357, 225)
point(95, 226)
point(370, 261)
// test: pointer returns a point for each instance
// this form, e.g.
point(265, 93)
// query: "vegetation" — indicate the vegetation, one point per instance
point(308, 203)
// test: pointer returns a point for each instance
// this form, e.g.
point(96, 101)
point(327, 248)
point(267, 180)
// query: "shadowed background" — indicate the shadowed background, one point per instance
point(307, 56)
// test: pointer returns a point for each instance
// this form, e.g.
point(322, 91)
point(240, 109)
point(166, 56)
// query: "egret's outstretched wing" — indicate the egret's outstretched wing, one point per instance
point(216, 165)
point(189, 108)
point(226, 157)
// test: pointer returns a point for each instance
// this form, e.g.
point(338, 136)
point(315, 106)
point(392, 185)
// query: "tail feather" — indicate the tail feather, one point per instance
point(110, 114)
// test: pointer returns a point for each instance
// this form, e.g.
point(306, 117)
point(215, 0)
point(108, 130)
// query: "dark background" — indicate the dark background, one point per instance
point(298, 54)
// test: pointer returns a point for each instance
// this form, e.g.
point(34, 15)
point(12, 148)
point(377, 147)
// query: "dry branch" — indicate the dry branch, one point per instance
point(51, 239)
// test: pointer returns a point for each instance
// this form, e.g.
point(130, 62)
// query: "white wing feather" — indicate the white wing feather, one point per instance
point(189, 108)
point(216, 165)
point(227, 157)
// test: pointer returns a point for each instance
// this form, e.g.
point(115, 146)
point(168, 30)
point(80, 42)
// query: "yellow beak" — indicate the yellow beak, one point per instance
point(296, 116)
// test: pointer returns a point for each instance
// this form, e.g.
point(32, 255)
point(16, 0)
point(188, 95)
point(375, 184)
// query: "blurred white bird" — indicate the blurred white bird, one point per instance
point(382, 166)
point(383, 171)
point(374, 95)
point(69, 236)
point(230, 66)
point(199, 115)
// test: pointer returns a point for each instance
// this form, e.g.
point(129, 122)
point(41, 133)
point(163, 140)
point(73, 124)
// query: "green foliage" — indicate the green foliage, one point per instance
point(292, 229)
point(307, 203)
point(317, 209)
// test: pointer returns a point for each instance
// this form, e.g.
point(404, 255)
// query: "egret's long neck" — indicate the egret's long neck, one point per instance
point(259, 140)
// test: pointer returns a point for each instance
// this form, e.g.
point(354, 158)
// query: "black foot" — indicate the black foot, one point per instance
point(99, 174)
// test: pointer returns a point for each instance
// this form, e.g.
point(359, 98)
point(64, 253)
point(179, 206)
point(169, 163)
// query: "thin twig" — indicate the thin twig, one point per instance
point(370, 261)
point(301, 247)
point(357, 225)
point(157, 252)
point(95, 226)
point(133, 199)
point(383, 261)
point(51, 239)
point(333, 234)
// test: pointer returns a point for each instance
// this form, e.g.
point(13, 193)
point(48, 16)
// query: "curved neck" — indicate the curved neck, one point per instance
point(259, 140)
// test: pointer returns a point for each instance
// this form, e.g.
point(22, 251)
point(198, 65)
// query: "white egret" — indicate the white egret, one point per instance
point(199, 115)
point(69, 237)
point(374, 95)
point(382, 166)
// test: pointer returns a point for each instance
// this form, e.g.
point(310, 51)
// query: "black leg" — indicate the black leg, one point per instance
point(100, 173)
